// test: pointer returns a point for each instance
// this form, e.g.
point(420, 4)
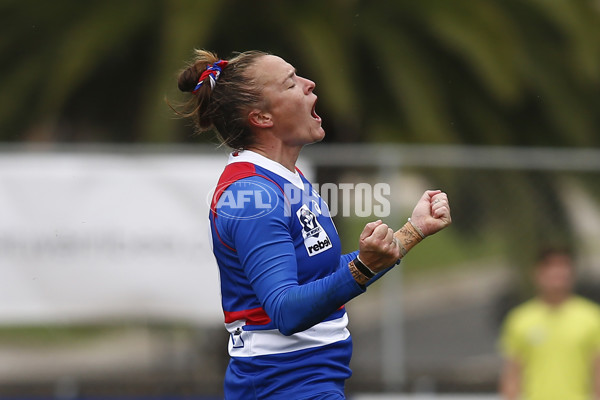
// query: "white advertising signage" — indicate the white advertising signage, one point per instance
point(107, 236)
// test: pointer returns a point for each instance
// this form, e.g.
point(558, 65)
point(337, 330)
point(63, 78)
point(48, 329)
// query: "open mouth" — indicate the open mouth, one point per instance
point(313, 113)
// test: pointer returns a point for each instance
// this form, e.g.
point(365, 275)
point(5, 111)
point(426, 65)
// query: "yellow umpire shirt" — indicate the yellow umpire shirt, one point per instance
point(556, 347)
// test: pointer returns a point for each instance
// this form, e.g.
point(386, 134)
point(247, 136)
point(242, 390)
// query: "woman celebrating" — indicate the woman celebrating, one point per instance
point(284, 281)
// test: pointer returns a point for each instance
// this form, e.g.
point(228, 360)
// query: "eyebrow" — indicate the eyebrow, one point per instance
point(289, 76)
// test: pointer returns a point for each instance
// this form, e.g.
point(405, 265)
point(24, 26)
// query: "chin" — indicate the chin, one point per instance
point(320, 135)
point(315, 136)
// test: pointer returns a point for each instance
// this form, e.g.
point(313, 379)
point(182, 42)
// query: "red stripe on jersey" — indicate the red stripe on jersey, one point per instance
point(232, 173)
point(254, 316)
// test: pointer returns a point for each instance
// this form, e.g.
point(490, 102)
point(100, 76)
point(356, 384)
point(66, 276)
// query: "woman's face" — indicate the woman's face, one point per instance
point(290, 101)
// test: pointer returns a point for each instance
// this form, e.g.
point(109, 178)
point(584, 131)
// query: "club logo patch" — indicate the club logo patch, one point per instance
point(315, 238)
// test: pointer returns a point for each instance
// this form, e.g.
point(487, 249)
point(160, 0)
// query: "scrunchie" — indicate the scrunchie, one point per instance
point(213, 71)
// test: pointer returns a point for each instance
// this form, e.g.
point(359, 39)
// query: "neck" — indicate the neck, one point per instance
point(554, 299)
point(285, 156)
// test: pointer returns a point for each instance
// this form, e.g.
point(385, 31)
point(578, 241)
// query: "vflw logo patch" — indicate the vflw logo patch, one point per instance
point(315, 238)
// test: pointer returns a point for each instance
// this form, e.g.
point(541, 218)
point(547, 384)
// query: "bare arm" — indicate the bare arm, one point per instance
point(510, 381)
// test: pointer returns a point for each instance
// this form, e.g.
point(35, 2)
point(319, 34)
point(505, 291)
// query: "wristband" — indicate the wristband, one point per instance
point(366, 271)
point(358, 276)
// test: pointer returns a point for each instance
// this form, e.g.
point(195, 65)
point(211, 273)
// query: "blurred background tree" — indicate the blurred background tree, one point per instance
point(508, 72)
point(486, 72)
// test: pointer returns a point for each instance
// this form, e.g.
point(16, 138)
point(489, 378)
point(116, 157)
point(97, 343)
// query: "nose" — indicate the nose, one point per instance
point(309, 85)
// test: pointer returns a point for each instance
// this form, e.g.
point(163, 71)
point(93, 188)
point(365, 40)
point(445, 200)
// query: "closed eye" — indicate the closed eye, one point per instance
point(291, 77)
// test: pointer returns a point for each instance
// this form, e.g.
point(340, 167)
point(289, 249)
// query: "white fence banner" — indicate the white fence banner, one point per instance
point(88, 237)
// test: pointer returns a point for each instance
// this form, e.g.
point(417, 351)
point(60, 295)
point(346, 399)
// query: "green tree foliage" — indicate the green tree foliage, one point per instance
point(509, 72)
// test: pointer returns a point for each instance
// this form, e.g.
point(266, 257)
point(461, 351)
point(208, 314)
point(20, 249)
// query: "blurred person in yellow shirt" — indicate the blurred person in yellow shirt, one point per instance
point(551, 343)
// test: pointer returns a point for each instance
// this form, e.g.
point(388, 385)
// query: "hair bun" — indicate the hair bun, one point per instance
point(188, 79)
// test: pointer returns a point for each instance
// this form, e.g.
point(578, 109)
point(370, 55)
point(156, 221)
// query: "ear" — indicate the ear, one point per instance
point(260, 119)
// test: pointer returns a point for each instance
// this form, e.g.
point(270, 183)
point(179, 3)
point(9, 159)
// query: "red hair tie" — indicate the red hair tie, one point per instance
point(213, 72)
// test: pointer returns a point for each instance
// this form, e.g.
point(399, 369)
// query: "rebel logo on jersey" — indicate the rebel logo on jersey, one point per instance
point(315, 238)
